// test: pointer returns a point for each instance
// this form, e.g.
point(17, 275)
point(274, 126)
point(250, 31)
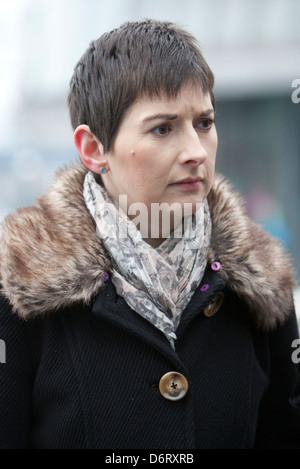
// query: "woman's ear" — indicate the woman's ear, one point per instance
point(90, 149)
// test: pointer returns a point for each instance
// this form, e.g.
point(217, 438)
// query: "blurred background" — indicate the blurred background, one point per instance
point(253, 47)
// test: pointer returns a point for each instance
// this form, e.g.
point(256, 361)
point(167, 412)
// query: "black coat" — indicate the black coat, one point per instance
point(85, 373)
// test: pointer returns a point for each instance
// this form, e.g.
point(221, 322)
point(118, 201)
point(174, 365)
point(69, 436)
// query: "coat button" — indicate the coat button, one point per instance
point(105, 276)
point(214, 305)
point(216, 266)
point(173, 386)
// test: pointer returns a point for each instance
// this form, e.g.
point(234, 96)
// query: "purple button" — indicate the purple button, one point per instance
point(204, 287)
point(105, 276)
point(216, 266)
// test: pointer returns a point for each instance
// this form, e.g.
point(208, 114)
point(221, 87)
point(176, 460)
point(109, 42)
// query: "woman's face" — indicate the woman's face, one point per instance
point(165, 150)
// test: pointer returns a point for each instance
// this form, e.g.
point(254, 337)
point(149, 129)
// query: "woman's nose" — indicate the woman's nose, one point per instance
point(193, 151)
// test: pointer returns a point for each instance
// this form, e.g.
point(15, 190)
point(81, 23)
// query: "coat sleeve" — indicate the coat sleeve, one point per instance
point(15, 380)
point(279, 419)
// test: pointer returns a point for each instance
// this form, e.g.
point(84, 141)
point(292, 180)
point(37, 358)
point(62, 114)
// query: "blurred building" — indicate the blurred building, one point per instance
point(253, 48)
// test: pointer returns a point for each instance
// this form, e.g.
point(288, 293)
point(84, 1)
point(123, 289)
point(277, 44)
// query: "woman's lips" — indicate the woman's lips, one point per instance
point(188, 183)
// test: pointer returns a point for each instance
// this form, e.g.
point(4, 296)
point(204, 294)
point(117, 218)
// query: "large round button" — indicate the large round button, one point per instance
point(215, 305)
point(173, 386)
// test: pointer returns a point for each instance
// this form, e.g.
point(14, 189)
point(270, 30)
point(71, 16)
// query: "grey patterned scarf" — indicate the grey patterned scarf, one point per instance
point(159, 282)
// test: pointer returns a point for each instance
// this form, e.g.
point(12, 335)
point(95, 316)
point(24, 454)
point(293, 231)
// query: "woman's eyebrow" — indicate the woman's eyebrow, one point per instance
point(174, 116)
point(160, 116)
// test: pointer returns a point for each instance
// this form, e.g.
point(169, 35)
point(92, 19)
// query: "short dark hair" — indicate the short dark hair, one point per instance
point(139, 58)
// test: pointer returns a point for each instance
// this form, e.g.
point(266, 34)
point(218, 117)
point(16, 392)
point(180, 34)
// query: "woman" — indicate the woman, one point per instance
point(131, 328)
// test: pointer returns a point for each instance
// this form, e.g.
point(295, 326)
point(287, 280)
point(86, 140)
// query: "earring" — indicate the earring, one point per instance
point(102, 170)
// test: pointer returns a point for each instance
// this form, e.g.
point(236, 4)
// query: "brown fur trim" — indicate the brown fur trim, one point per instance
point(51, 255)
point(254, 264)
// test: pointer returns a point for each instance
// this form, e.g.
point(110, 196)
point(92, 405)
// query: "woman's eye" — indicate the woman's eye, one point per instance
point(163, 129)
point(205, 124)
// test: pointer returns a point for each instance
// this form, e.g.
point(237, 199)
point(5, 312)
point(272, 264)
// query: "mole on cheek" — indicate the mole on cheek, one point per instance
point(132, 153)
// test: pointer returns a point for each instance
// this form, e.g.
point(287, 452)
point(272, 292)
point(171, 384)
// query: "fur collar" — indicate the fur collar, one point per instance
point(51, 256)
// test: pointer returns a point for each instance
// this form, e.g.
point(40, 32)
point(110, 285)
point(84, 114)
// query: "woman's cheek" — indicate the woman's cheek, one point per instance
point(143, 161)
